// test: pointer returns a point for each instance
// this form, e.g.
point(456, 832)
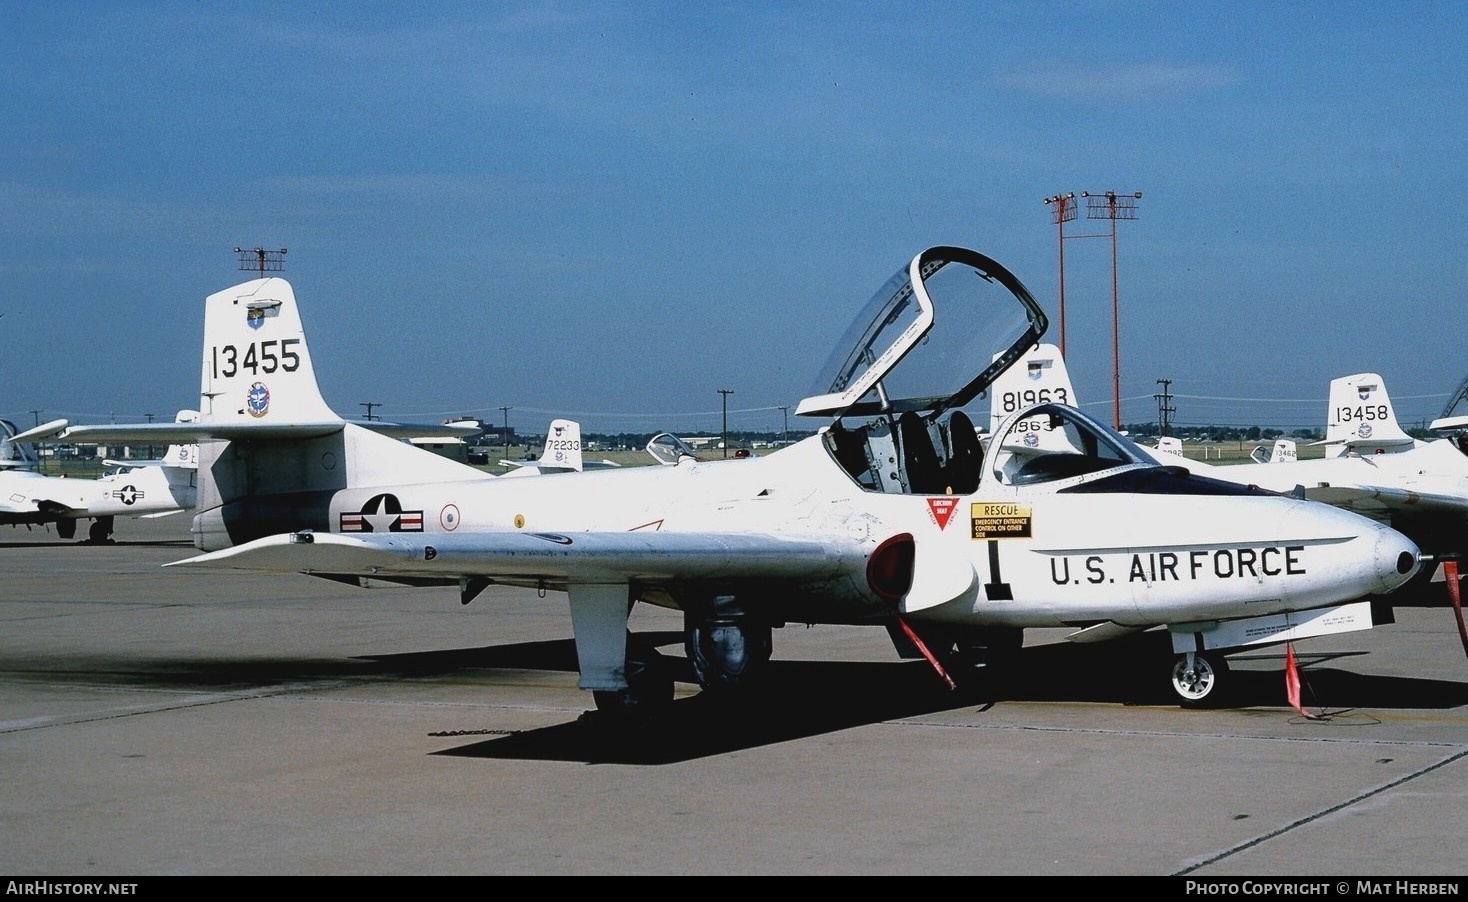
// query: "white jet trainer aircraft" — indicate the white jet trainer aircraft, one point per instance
point(891, 515)
point(152, 488)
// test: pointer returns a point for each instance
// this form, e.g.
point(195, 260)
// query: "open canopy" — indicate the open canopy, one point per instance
point(932, 338)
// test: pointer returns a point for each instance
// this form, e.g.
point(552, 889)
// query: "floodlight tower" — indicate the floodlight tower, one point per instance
point(1062, 211)
point(1113, 206)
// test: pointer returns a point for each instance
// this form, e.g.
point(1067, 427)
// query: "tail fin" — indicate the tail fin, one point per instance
point(183, 456)
point(1361, 419)
point(1170, 444)
point(562, 449)
point(561, 453)
point(1038, 377)
point(274, 454)
point(257, 368)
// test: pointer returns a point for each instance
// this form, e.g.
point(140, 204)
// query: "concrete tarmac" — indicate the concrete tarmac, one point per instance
point(171, 722)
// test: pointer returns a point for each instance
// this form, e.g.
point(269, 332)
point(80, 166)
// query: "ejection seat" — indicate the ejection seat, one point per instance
point(965, 455)
point(919, 458)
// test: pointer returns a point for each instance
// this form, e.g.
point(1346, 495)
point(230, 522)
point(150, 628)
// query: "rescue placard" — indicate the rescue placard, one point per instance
point(1000, 520)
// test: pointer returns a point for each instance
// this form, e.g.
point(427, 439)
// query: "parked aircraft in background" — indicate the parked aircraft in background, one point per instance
point(561, 454)
point(1360, 419)
point(1283, 451)
point(1419, 487)
point(129, 488)
point(670, 450)
point(891, 515)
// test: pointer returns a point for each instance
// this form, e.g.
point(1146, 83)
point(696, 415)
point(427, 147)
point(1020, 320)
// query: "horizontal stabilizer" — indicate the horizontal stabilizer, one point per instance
point(189, 433)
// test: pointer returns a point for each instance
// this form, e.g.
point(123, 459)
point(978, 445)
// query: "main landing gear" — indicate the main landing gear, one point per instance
point(649, 689)
point(727, 647)
point(100, 532)
point(728, 650)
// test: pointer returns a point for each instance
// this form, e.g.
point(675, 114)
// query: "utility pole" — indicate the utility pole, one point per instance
point(37, 415)
point(506, 434)
point(1113, 206)
point(369, 405)
point(726, 392)
point(1063, 211)
point(1165, 410)
point(785, 436)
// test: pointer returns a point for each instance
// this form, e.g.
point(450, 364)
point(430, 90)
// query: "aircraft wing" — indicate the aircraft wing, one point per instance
point(26, 512)
point(1380, 502)
point(596, 570)
point(556, 559)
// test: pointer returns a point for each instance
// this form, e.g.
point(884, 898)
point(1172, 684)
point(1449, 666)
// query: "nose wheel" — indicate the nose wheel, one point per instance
point(1197, 679)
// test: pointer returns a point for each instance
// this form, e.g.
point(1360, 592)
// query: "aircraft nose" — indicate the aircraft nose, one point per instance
point(1396, 558)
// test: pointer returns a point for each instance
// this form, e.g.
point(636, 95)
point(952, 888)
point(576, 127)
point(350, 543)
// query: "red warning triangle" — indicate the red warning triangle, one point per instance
point(942, 510)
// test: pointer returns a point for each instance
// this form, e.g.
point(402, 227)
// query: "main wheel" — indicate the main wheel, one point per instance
point(99, 532)
point(726, 653)
point(1198, 679)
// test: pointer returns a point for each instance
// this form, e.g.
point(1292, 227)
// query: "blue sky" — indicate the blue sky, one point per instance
point(612, 211)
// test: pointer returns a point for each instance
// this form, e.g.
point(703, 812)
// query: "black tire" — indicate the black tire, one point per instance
point(727, 654)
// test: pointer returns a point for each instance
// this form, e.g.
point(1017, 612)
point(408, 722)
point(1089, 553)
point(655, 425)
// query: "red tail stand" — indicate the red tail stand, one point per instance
point(1292, 681)
point(1450, 574)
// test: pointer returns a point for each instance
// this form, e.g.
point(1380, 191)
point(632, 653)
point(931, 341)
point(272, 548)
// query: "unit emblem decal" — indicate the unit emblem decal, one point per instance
point(257, 400)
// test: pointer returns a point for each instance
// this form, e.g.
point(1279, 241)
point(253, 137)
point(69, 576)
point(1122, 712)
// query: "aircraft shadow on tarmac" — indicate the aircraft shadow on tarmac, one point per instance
point(807, 698)
point(56, 542)
point(801, 698)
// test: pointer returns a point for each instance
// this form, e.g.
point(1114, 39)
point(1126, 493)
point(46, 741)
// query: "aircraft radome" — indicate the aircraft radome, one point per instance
point(891, 515)
point(129, 488)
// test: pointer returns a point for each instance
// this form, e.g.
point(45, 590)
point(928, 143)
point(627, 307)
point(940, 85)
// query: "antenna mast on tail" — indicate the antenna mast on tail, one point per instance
point(261, 260)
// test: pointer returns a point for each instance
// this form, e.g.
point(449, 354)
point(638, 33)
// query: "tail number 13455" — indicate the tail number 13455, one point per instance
point(263, 357)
